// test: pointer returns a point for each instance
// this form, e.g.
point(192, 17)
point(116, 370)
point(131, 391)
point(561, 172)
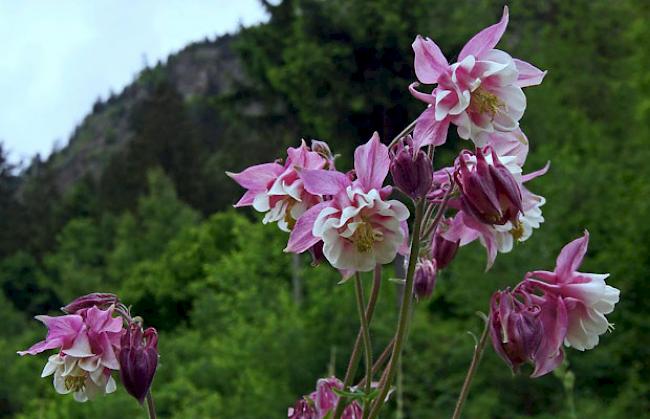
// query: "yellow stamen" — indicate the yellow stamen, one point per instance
point(483, 101)
point(517, 231)
point(74, 383)
point(364, 237)
point(291, 222)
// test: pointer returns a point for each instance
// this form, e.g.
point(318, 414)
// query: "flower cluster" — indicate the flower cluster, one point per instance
point(321, 402)
point(530, 322)
point(91, 343)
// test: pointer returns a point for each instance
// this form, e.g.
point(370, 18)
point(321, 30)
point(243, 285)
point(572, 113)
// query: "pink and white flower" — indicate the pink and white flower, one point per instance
point(497, 237)
point(359, 227)
point(277, 190)
point(320, 403)
point(480, 94)
point(585, 297)
point(88, 342)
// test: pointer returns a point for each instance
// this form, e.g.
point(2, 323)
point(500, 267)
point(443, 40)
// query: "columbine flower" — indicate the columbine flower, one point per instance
point(411, 169)
point(87, 342)
point(515, 327)
point(489, 191)
point(278, 190)
point(320, 403)
point(138, 360)
point(585, 297)
point(480, 94)
point(359, 228)
point(469, 223)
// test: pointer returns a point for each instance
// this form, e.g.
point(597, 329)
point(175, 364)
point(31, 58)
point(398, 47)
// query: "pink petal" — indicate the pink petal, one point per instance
point(428, 131)
point(424, 97)
point(324, 182)
point(555, 322)
point(247, 199)
point(301, 237)
point(429, 60)
point(486, 39)
point(257, 177)
point(537, 173)
point(371, 162)
point(529, 75)
point(571, 257)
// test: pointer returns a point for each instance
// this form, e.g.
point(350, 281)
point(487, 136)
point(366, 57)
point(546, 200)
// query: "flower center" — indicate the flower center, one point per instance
point(517, 231)
point(483, 101)
point(365, 236)
point(74, 383)
point(291, 222)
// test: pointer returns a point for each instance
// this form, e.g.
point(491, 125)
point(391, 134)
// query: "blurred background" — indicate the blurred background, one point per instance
point(132, 197)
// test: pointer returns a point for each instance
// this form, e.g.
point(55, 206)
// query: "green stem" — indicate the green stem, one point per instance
point(356, 352)
point(476, 359)
point(363, 321)
point(151, 406)
point(404, 313)
point(379, 362)
point(410, 127)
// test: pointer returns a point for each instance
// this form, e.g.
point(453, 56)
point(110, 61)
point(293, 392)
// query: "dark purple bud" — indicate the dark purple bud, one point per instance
point(443, 251)
point(489, 192)
point(302, 410)
point(515, 327)
point(411, 169)
point(96, 299)
point(138, 360)
point(425, 279)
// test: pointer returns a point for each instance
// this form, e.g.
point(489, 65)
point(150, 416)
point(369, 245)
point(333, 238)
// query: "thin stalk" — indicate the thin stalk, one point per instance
point(440, 212)
point(356, 350)
point(151, 407)
point(404, 314)
point(404, 132)
point(476, 359)
point(358, 287)
point(380, 361)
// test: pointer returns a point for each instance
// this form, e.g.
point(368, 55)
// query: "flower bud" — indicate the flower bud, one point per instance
point(425, 278)
point(411, 169)
point(100, 300)
point(489, 192)
point(443, 250)
point(138, 360)
point(515, 328)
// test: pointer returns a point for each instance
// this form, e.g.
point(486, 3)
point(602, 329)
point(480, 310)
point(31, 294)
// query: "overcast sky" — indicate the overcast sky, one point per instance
point(58, 57)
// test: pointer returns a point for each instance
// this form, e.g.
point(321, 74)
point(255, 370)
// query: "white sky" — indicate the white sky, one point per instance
point(58, 57)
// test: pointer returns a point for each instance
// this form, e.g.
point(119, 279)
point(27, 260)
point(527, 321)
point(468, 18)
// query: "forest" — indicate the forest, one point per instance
point(245, 328)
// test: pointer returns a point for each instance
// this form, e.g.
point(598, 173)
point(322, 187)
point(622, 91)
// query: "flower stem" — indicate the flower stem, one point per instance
point(363, 321)
point(151, 406)
point(404, 314)
point(476, 359)
point(410, 127)
point(356, 352)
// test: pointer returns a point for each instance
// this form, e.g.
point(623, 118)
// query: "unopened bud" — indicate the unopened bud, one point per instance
point(443, 251)
point(425, 279)
point(411, 169)
point(96, 299)
point(138, 360)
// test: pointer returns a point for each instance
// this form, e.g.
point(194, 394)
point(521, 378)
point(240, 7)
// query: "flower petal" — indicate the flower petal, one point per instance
point(430, 62)
point(486, 39)
point(571, 257)
point(529, 75)
point(371, 162)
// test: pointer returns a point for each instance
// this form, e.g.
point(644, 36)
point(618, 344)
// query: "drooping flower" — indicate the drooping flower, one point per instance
point(466, 226)
point(277, 190)
point(88, 343)
point(443, 250)
point(489, 191)
point(359, 227)
point(480, 94)
point(586, 297)
point(516, 329)
point(138, 360)
point(411, 169)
